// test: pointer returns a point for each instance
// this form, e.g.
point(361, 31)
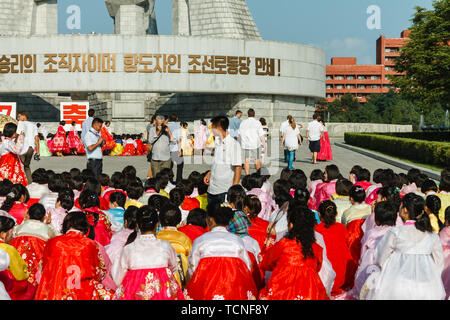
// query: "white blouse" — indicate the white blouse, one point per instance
point(217, 243)
point(4, 264)
point(145, 252)
point(9, 146)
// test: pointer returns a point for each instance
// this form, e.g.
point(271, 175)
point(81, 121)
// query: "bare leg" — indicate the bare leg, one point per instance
point(149, 172)
point(257, 164)
point(247, 166)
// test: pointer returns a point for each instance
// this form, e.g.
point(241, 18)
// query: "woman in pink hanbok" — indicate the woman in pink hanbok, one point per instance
point(444, 235)
point(201, 135)
point(326, 189)
point(147, 266)
point(325, 145)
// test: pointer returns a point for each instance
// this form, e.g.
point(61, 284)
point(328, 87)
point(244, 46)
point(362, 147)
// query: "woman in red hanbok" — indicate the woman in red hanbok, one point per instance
point(30, 239)
point(325, 145)
point(72, 268)
point(59, 143)
point(107, 137)
point(74, 141)
point(335, 237)
point(219, 265)
point(147, 266)
point(295, 261)
point(11, 167)
point(129, 147)
point(90, 203)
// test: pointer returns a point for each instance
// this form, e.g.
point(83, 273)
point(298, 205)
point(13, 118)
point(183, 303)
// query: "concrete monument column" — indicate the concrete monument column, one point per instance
point(133, 17)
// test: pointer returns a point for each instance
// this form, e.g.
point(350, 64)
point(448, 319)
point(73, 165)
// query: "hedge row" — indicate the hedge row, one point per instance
point(427, 152)
point(421, 135)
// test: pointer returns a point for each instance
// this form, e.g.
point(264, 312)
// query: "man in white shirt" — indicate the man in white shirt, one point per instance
point(31, 141)
point(94, 142)
point(283, 126)
point(227, 162)
point(313, 134)
point(252, 139)
point(87, 124)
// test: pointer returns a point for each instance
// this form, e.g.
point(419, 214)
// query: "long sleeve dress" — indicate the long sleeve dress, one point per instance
point(220, 268)
point(72, 269)
point(293, 277)
point(410, 263)
point(11, 167)
point(146, 271)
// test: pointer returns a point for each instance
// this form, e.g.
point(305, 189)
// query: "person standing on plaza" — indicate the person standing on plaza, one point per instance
point(283, 126)
point(291, 141)
point(201, 135)
point(94, 143)
point(176, 154)
point(251, 135)
point(87, 124)
point(313, 134)
point(235, 123)
point(226, 163)
point(30, 143)
point(160, 137)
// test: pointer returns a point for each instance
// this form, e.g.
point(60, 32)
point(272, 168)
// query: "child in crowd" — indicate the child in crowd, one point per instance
point(195, 224)
point(64, 203)
point(256, 182)
point(363, 178)
point(316, 177)
point(189, 202)
point(432, 207)
point(335, 237)
point(116, 210)
point(409, 258)
point(30, 238)
point(444, 195)
point(219, 265)
point(376, 177)
point(170, 218)
point(55, 185)
point(202, 195)
point(38, 187)
point(11, 167)
point(15, 202)
point(328, 188)
point(120, 237)
point(342, 197)
point(146, 261)
point(385, 217)
point(16, 275)
point(429, 187)
point(177, 197)
point(296, 260)
point(150, 190)
point(135, 190)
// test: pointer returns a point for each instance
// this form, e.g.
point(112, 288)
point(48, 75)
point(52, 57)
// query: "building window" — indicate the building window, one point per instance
point(329, 86)
point(361, 86)
point(387, 68)
point(339, 78)
point(329, 77)
point(361, 77)
point(339, 86)
point(329, 95)
point(350, 77)
point(373, 77)
point(374, 86)
point(350, 86)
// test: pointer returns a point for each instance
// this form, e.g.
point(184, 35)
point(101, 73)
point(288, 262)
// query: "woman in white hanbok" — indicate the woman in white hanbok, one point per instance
point(4, 264)
point(408, 259)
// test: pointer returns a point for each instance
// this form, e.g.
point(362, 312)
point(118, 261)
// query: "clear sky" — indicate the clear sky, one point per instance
point(337, 26)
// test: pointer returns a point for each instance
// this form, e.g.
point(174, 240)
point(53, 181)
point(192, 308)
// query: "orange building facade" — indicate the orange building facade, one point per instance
point(344, 75)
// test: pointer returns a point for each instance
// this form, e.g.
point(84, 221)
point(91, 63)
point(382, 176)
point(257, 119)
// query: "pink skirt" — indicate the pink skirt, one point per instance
point(149, 284)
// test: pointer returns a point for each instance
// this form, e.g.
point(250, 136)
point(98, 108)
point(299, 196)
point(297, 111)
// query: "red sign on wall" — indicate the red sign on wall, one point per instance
point(8, 108)
point(74, 111)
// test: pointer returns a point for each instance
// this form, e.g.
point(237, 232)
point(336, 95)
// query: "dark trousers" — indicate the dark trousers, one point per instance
point(96, 166)
point(179, 161)
point(26, 159)
point(216, 197)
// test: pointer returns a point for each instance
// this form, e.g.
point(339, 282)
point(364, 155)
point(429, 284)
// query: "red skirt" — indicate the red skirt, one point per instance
point(149, 284)
point(129, 150)
point(58, 143)
point(221, 278)
point(11, 168)
point(325, 148)
point(355, 235)
point(31, 249)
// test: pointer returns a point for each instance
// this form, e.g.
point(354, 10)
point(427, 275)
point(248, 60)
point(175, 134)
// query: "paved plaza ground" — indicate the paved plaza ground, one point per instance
point(345, 159)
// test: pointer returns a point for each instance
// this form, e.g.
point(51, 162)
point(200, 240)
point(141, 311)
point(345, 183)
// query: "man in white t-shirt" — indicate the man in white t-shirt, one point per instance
point(31, 141)
point(313, 134)
point(283, 126)
point(227, 162)
point(252, 138)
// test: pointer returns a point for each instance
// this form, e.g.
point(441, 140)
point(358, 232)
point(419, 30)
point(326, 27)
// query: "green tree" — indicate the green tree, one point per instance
point(425, 59)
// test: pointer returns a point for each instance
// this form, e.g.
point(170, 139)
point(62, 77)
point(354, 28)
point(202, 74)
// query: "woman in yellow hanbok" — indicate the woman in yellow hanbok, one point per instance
point(210, 141)
point(187, 144)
